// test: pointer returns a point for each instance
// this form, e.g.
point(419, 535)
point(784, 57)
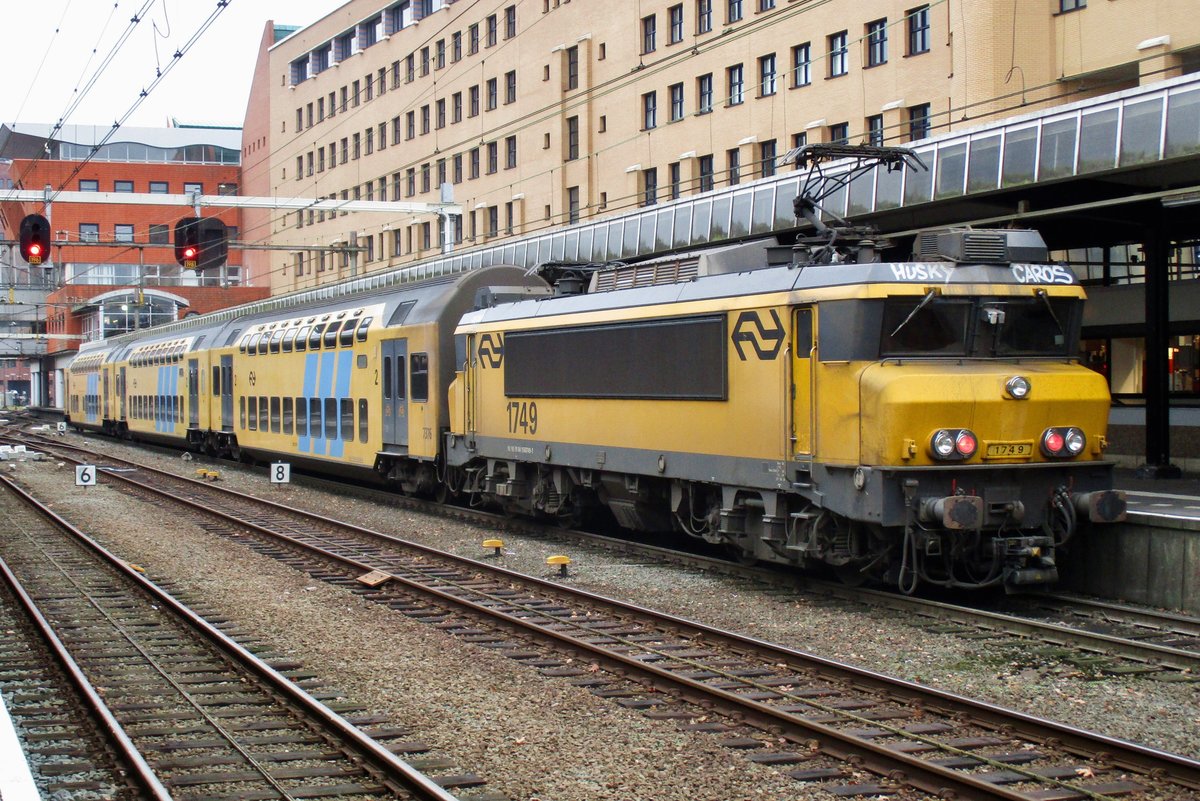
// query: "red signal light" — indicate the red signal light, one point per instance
point(189, 253)
point(35, 249)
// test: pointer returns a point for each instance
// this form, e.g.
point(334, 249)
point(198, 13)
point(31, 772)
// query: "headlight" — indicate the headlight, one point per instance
point(1063, 442)
point(1017, 387)
point(953, 443)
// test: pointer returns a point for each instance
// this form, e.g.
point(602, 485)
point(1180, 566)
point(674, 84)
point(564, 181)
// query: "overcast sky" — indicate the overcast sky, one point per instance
point(208, 86)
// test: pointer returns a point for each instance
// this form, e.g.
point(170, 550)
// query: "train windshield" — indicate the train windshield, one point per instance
point(979, 327)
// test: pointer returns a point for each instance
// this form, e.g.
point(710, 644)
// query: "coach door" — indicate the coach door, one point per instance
point(193, 393)
point(395, 392)
point(226, 393)
point(802, 381)
point(107, 372)
point(121, 391)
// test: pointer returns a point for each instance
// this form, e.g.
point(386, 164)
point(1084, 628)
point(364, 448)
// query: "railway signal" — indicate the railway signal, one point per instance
point(35, 239)
point(201, 243)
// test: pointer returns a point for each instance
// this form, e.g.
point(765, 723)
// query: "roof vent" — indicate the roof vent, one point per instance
point(967, 246)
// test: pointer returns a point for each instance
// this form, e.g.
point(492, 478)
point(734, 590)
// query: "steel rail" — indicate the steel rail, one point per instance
point(932, 778)
point(395, 768)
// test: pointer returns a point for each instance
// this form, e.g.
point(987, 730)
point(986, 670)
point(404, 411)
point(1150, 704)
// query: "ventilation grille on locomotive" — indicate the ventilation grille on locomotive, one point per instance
point(639, 275)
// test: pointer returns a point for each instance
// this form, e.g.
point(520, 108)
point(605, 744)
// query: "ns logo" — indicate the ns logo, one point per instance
point(491, 350)
point(765, 339)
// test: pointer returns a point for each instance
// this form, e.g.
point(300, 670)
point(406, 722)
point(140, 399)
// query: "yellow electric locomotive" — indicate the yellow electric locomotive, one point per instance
point(906, 422)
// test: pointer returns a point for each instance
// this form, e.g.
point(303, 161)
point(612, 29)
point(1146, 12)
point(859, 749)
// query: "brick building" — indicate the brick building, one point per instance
point(112, 266)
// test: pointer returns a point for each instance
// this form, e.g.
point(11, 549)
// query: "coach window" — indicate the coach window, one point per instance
point(275, 415)
point(251, 415)
point(347, 419)
point(289, 337)
point(331, 335)
point(362, 420)
point(263, 411)
point(314, 339)
point(301, 417)
point(287, 415)
point(242, 344)
point(362, 329)
point(331, 418)
point(418, 381)
point(302, 338)
point(346, 338)
point(276, 338)
point(314, 417)
point(263, 343)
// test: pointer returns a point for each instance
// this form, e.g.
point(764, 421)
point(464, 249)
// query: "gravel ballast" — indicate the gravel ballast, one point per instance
point(538, 738)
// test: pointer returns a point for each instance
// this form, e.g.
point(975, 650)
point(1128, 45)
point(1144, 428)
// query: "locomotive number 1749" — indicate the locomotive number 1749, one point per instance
point(522, 417)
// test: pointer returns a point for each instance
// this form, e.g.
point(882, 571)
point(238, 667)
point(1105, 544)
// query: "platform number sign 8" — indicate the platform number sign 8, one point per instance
point(85, 475)
point(281, 473)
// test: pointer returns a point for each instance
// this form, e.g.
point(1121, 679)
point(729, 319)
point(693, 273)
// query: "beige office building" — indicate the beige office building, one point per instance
point(540, 113)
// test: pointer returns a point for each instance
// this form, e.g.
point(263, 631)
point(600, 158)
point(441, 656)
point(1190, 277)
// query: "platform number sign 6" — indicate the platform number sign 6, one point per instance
point(281, 473)
point(85, 475)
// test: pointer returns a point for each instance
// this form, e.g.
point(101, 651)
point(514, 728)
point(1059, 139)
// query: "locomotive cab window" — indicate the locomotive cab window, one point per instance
point(927, 326)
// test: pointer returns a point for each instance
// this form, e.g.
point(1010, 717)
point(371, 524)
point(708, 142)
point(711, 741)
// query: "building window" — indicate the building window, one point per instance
point(510, 22)
point(649, 110)
point(734, 12)
point(572, 68)
point(424, 120)
point(838, 55)
point(410, 70)
point(510, 87)
point(875, 130)
point(1071, 5)
point(676, 90)
point(425, 177)
point(766, 158)
point(766, 5)
point(122, 186)
point(877, 43)
point(160, 234)
point(734, 158)
point(703, 16)
point(802, 64)
point(492, 93)
point(766, 75)
point(357, 147)
point(918, 121)
point(839, 133)
point(918, 30)
point(734, 85)
point(492, 29)
point(473, 164)
point(190, 188)
point(410, 126)
point(572, 138)
point(675, 176)
point(572, 205)
point(675, 14)
point(456, 46)
point(89, 232)
point(473, 101)
point(649, 33)
point(706, 173)
point(704, 93)
point(510, 152)
point(493, 157)
point(456, 107)
point(649, 186)
point(89, 185)
point(122, 232)
point(473, 39)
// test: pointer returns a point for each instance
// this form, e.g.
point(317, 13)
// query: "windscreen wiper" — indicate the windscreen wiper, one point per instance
point(933, 293)
point(1041, 293)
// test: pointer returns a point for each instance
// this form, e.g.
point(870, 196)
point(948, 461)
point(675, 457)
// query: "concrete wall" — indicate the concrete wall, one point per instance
point(1146, 560)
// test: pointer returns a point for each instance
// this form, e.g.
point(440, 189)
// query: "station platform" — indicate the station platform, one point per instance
point(16, 781)
point(1175, 498)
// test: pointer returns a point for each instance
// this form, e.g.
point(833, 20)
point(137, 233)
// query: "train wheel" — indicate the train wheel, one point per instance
point(852, 575)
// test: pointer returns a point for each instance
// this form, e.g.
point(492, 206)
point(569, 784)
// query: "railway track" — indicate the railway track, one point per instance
point(853, 731)
point(164, 698)
point(1098, 637)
